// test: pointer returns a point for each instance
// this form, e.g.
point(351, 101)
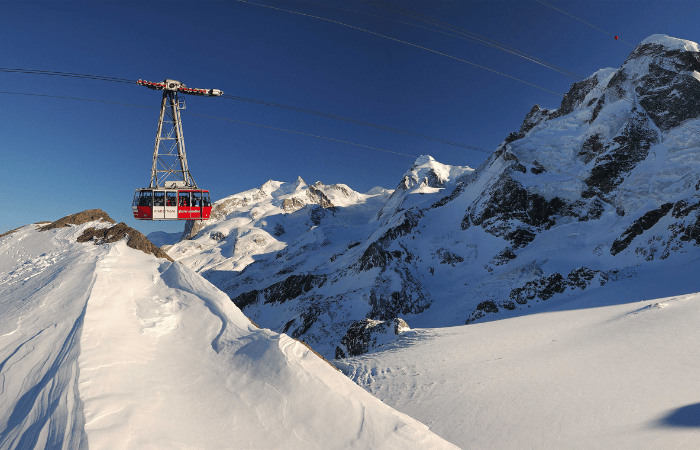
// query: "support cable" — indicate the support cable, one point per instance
point(242, 99)
point(218, 118)
point(407, 43)
point(304, 134)
point(582, 21)
point(469, 36)
point(65, 74)
point(355, 121)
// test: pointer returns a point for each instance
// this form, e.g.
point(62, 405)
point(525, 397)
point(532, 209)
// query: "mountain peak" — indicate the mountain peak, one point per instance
point(299, 183)
point(423, 159)
point(670, 43)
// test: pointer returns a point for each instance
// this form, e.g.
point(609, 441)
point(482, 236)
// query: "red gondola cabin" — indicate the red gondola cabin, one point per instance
point(171, 204)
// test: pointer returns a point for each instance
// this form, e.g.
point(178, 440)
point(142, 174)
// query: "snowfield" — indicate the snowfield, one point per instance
point(104, 346)
point(614, 368)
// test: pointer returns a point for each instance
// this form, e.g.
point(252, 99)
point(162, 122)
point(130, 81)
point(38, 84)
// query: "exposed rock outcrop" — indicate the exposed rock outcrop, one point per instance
point(106, 235)
point(366, 334)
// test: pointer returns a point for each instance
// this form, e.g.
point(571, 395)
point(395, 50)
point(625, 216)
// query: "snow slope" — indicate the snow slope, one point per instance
point(613, 369)
point(104, 346)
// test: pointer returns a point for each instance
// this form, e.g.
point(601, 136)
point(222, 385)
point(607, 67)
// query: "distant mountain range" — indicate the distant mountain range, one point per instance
point(578, 197)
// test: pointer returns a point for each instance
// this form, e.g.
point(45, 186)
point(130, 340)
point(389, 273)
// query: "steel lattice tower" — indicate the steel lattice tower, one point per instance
point(169, 168)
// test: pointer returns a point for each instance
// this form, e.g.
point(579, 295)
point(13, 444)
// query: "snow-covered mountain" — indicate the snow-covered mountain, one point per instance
point(580, 196)
point(105, 346)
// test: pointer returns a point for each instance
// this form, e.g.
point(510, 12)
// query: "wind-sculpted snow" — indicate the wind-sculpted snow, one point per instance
point(45, 286)
point(107, 347)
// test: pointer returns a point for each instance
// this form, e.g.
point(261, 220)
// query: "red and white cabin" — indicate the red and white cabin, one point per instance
point(171, 204)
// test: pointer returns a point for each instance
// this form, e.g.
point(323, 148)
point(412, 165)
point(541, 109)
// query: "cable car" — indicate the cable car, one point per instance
point(184, 204)
point(172, 193)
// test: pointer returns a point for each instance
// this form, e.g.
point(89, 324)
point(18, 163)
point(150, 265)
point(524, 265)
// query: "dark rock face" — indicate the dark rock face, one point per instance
point(308, 318)
point(543, 288)
point(317, 196)
point(483, 308)
point(536, 116)
point(374, 256)
point(687, 232)
point(537, 168)
point(591, 148)
point(575, 96)
point(411, 218)
point(669, 92)
point(546, 287)
point(247, 299)
point(285, 290)
point(508, 202)
point(362, 335)
point(629, 148)
point(447, 257)
point(386, 304)
point(503, 257)
point(639, 226)
point(520, 237)
point(358, 337)
point(582, 277)
point(316, 214)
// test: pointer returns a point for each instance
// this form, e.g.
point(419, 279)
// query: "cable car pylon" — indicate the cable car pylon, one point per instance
point(172, 193)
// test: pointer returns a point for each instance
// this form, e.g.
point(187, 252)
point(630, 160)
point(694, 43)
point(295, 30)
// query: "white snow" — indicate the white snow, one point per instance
point(107, 347)
point(671, 43)
point(616, 368)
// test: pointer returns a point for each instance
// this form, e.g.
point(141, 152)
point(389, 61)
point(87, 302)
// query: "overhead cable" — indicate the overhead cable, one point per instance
point(468, 36)
point(77, 98)
point(249, 100)
point(405, 42)
point(217, 118)
point(463, 35)
point(65, 74)
point(355, 121)
point(582, 21)
point(304, 134)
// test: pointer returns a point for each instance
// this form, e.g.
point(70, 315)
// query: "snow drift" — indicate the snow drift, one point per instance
point(105, 346)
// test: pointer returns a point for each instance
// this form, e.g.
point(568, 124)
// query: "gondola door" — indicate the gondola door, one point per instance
point(196, 209)
point(159, 204)
point(171, 204)
point(183, 206)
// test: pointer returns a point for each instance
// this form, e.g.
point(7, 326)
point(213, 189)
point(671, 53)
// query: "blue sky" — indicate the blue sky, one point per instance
point(64, 156)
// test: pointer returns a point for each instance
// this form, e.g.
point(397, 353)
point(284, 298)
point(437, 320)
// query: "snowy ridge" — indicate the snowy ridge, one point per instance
point(104, 346)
